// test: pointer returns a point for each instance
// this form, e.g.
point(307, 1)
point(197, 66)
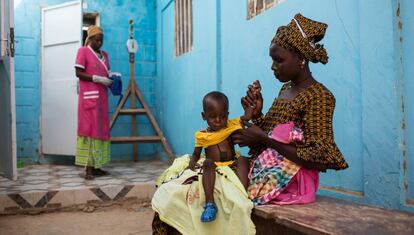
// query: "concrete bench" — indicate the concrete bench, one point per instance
point(331, 216)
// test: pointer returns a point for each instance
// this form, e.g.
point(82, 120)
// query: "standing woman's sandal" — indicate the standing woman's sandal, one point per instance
point(99, 172)
point(89, 173)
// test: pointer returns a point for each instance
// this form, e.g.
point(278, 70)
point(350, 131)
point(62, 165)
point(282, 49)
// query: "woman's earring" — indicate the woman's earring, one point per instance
point(302, 64)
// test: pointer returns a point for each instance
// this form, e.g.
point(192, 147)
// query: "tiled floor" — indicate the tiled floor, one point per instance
point(43, 186)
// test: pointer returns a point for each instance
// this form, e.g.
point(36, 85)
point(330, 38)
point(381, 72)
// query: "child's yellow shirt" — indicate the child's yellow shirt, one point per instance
point(205, 139)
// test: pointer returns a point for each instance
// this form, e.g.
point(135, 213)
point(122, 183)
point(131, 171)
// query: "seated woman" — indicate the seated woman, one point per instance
point(216, 193)
point(288, 172)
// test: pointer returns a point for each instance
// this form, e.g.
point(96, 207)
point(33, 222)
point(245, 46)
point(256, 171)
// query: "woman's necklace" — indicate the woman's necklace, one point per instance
point(289, 85)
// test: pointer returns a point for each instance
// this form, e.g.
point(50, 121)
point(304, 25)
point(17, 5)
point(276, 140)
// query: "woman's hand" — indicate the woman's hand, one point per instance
point(248, 113)
point(251, 136)
point(253, 99)
point(193, 165)
point(102, 80)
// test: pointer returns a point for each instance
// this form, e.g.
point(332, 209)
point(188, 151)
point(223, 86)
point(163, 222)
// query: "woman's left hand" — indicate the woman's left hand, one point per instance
point(253, 99)
point(252, 135)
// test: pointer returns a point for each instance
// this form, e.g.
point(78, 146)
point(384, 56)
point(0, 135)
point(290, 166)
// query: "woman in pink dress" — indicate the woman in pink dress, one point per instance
point(92, 69)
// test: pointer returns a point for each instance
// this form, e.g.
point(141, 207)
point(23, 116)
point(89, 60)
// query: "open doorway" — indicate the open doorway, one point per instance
point(88, 20)
point(61, 38)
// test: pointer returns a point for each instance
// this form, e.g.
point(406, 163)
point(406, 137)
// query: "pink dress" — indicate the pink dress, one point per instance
point(276, 180)
point(93, 117)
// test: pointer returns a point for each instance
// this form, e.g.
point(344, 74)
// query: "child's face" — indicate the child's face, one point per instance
point(216, 115)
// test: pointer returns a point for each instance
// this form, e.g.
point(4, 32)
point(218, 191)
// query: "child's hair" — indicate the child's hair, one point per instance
point(215, 95)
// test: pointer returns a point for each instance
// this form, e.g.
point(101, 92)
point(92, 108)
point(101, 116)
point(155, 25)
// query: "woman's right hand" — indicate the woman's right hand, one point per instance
point(253, 99)
point(250, 136)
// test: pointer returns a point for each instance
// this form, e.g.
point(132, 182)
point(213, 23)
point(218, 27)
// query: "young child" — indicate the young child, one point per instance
point(218, 145)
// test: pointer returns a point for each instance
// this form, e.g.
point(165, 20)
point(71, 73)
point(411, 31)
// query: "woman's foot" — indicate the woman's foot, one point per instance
point(209, 213)
point(88, 173)
point(99, 172)
point(89, 177)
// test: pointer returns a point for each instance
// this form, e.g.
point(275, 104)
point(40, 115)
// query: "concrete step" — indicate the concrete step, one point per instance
point(46, 187)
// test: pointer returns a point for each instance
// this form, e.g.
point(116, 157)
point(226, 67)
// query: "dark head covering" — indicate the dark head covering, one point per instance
point(301, 35)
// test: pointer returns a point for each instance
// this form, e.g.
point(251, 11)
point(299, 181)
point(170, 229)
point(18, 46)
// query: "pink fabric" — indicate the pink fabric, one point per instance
point(93, 116)
point(276, 180)
point(282, 132)
point(303, 186)
point(301, 189)
point(287, 133)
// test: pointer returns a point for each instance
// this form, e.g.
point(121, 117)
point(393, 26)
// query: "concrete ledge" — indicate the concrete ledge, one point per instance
point(331, 216)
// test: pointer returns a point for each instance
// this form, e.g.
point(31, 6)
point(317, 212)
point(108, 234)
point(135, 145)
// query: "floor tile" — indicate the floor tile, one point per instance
point(57, 185)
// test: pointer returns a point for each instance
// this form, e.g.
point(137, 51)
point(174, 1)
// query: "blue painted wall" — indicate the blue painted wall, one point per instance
point(406, 28)
point(186, 78)
point(114, 16)
point(381, 113)
point(114, 21)
point(364, 73)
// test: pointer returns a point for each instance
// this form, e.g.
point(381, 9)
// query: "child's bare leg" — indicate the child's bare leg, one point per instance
point(209, 177)
point(242, 170)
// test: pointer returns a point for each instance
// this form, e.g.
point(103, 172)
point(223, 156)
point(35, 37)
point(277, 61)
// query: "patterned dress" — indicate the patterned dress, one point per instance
point(312, 111)
point(275, 179)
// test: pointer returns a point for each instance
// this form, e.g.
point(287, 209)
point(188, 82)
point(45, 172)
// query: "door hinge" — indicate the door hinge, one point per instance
point(11, 46)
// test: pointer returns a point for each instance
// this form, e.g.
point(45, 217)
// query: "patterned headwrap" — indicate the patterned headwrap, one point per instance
point(301, 35)
point(92, 31)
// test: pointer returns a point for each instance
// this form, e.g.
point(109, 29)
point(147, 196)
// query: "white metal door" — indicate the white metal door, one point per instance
point(8, 165)
point(61, 37)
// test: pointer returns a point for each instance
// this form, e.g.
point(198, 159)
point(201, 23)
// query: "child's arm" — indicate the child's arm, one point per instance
point(195, 157)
